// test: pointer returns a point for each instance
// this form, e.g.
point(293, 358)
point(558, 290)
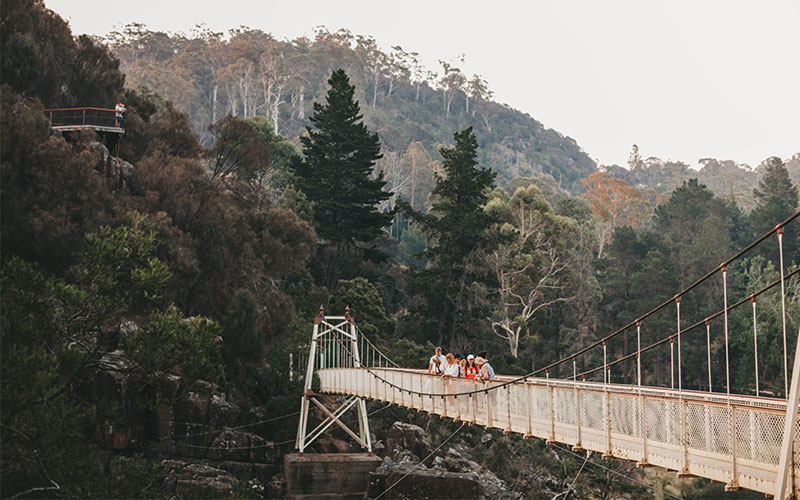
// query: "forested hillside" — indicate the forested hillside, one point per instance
point(155, 305)
point(247, 72)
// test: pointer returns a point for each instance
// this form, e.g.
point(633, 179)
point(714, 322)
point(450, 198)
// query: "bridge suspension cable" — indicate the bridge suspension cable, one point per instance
point(721, 267)
point(749, 298)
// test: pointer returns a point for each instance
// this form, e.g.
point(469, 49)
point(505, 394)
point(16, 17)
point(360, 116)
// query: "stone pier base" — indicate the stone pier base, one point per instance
point(328, 475)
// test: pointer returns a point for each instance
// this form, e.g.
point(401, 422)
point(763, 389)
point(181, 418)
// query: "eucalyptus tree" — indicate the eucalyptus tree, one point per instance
point(532, 263)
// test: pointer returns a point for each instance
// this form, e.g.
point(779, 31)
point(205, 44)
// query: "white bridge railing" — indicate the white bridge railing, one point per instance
point(730, 439)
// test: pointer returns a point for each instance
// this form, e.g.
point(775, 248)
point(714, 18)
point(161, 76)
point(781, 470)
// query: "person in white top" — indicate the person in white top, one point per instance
point(434, 368)
point(119, 114)
point(451, 368)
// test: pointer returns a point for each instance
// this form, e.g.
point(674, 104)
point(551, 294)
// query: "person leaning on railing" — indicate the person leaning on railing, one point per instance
point(437, 362)
point(450, 370)
point(485, 370)
point(470, 370)
point(120, 114)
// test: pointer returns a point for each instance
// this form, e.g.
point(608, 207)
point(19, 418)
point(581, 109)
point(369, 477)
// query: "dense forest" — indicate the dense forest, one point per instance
point(259, 179)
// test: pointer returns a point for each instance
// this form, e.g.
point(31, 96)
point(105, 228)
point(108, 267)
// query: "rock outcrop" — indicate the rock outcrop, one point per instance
point(453, 475)
point(210, 434)
point(493, 487)
point(197, 480)
point(407, 443)
point(116, 171)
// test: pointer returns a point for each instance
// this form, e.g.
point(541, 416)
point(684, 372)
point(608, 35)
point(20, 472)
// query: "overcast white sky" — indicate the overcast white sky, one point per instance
point(683, 79)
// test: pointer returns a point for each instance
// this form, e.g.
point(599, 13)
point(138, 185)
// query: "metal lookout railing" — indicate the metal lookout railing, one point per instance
point(70, 118)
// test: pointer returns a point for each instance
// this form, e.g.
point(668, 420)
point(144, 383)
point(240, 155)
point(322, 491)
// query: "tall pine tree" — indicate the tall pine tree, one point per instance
point(336, 173)
point(776, 200)
point(459, 228)
point(776, 184)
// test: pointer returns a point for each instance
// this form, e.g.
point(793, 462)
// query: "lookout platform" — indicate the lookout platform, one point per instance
point(70, 119)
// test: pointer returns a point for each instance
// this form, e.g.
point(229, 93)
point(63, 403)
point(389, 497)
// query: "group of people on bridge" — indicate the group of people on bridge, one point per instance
point(451, 365)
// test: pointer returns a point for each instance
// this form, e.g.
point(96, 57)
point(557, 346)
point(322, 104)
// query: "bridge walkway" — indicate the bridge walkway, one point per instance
point(731, 439)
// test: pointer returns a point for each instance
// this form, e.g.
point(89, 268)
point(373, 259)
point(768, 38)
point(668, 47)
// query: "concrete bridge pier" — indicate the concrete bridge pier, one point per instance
point(328, 475)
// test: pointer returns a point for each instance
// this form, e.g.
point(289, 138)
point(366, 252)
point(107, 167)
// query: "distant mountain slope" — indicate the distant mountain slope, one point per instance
point(248, 72)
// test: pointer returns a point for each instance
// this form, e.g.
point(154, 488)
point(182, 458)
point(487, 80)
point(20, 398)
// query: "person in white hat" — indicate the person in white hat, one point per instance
point(470, 370)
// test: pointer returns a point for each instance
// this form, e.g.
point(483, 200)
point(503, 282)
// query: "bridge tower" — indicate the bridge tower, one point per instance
point(334, 344)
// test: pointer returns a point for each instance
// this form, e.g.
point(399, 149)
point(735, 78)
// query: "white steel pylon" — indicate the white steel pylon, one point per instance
point(334, 344)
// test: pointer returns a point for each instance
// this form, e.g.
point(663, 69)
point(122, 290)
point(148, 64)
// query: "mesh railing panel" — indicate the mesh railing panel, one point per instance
point(499, 401)
point(656, 419)
point(519, 407)
point(699, 423)
point(566, 406)
point(745, 433)
point(566, 413)
point(625, 414)
point(797, 457)
point(593, 410)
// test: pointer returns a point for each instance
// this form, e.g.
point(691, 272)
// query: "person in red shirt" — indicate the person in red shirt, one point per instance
point(470, 370)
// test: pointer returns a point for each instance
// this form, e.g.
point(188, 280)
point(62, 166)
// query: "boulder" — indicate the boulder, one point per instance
point(193, 440)
point(113, 386)
point(276, 487)
point(455, 460)
point(221, 412)
point(239, 469)
point(197, 480)
point(263, 451)
point(230, 445)
point(192, 408)
point(407, 443)
point(254, 419)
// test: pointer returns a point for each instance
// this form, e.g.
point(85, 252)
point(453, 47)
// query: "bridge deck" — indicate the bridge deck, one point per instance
point(731, 439)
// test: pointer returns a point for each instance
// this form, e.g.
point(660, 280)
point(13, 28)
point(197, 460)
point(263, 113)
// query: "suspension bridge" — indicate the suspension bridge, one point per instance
point(743, 440)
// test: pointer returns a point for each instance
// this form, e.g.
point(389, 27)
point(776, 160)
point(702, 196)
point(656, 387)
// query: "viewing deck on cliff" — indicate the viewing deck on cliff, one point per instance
point(97, 119)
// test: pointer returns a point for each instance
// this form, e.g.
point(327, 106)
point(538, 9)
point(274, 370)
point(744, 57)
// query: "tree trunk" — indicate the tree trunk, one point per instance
point(375, 91)
point(514, 342)
point(214, 104)
point(486, 121)
point(300, 111)
point(276, 109)
point(413, 179)
point(266, 98)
